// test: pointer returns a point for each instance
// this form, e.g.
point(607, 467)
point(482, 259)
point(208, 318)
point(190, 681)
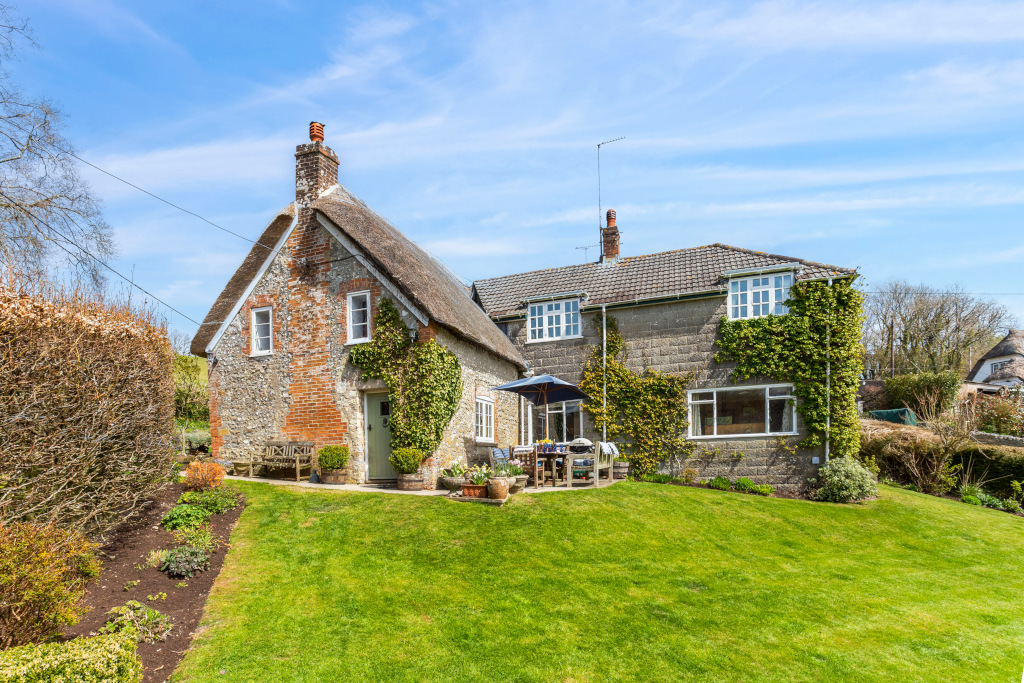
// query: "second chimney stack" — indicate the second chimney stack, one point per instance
point(610, 239)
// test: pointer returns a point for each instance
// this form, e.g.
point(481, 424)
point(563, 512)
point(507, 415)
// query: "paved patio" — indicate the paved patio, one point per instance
point(371, 488)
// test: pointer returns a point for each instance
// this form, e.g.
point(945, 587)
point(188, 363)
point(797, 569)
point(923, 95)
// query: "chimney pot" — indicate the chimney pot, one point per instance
point(316, 131)
point(610, 239)
point(611, 218)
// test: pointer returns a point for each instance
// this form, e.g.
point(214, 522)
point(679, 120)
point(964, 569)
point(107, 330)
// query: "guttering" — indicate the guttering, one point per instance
point(552, 297)
point(795, 267)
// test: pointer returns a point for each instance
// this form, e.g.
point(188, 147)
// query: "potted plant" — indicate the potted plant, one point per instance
point(476, 482)
point(333, 460)
point(454, 477)
point(515, 470)
point(546, 445)
point(406, 462)
point(500, 482)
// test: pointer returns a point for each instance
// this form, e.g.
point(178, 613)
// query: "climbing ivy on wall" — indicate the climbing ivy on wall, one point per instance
point(823, 324)
point(646, 411)
point(424, 380)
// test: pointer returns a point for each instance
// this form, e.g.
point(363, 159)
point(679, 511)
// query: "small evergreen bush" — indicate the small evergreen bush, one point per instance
point(911, 390)
point(145, 623)
point(184, 562)
point(1012, 506)
point(216, 501)
point(197, 537)
point(406, 460)
point(185, 517)
point(970, 500)
point(989, 501)
point(108, 658)
point(762, 489)
point(844, 480)
point(203, 475)
point(743, 484)
point(44, 572)
point(333, 457)
point(720, 483)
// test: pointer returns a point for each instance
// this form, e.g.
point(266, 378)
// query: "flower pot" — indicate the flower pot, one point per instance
point(410, 482)
point(621, 469)
point(474, 490)
point(334, 476)
point(453, 484)
point(497, 488)
point(519, 483)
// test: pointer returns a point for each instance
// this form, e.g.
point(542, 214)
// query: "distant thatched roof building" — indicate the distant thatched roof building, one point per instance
point(1010, 347)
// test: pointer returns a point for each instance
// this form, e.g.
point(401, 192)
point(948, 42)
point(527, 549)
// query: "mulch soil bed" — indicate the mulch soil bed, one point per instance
point(184, 605)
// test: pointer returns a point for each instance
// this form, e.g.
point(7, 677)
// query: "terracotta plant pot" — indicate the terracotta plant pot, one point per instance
point(474, 490)
point(497, 487)
point(410, 482)
point(334, 476)
point(453, 484)
point(519, 483)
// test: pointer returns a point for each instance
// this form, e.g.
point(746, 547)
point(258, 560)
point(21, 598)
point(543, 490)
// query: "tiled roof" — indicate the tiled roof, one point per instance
point(668, 274)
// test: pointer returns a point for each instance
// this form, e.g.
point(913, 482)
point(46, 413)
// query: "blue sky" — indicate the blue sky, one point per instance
point(884, 136)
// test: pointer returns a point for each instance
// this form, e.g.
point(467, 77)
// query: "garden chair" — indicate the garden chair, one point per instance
point(498, 456)
point(533, 464)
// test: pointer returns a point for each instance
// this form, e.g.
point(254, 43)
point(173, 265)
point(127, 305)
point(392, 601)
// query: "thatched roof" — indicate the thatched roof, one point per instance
point(1011, 345)
point(1012, 370)
point(420, 277)
point(236, 286)
point(668, 274)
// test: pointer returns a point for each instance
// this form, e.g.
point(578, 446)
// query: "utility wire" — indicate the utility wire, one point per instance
point(143, 190)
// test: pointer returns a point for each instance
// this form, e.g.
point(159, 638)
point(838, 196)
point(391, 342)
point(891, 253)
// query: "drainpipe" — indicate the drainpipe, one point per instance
point(604, 373)
point(828, 383)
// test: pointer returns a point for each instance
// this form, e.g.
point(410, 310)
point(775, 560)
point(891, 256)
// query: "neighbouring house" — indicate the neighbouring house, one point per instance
point(278, 337)
point(668, 307)
point(1003, 365)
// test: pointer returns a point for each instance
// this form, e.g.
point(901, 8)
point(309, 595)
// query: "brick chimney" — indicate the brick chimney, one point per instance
point(316, 167)
point(610, 239)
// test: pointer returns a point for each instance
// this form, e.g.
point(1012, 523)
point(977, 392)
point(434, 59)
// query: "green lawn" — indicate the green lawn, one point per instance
point(637, 582)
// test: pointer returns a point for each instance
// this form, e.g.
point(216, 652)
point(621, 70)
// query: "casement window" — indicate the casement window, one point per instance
point(262, 331)
point(999, 365)
point(358, 312)
point(551, 320)
point(742, 411)
point(483, 420)
point(565, 421)
point(758, 296)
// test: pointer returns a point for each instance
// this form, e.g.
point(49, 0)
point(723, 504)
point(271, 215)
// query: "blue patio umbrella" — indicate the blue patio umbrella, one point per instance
point(544, 389)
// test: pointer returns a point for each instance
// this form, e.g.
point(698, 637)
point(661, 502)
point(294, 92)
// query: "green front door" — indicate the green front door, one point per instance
point(378, 436)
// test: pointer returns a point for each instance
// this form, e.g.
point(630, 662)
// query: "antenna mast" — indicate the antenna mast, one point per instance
point(606, 142)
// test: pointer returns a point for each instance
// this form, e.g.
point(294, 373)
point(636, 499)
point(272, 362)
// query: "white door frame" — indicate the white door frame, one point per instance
point(366, 424)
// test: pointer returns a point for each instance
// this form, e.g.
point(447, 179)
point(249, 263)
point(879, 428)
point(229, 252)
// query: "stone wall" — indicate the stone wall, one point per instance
point(679, 338)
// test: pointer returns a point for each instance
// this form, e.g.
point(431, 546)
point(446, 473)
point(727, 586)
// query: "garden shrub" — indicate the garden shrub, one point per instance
point(908, 455)
point(912, 390)
point(106, 658)
point(185, 517)
point(216, 501)
point(333, 457)
point(1010, 505)
point(844, 480)
point(657, 478)
point(406, 460)
point(743, 484)
point(44, 572)
point(86, 408)
point(762, 489)
point(990, 501)
point(1000, 465)
point(198, 441)
point(970, 500)
point(197, 537)
point(720, 483)
point(201, 476)
point(145, 623)
point(184, 562)
point(1002, 414)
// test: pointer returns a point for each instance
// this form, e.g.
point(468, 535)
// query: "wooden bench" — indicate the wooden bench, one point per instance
point(280, 454)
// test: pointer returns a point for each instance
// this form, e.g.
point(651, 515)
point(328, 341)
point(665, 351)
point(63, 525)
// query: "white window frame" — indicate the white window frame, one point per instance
point(350, 337)
point(770, 289)
point(253, 346)
point(553, 320)
point(483, 408)
point(767, 410)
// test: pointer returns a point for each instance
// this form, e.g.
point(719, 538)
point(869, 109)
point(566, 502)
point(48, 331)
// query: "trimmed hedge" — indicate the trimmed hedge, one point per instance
point(107, 659)
point(997, 466)
point(907, 390)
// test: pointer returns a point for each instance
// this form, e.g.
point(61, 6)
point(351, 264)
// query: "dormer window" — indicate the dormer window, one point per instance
point(759, 296)
point(551, 320)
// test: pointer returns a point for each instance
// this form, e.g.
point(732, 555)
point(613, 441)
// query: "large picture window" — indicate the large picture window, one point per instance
point(756, 297)
point(565, 418)
point(358, 317)
point(551, 320)
point(742, 411)
point(484, 420)
point(262, 332)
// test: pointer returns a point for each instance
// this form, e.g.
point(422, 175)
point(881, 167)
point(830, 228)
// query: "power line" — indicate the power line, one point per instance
point(143, 190)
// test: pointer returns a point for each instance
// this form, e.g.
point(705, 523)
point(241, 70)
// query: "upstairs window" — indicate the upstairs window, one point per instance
point(358, 317)
point(483, 419)
point(550, 320)
point(262, 332)
point(759, 296)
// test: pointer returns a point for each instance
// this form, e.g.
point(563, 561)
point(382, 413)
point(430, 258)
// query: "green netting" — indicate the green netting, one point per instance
point(903, 416)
